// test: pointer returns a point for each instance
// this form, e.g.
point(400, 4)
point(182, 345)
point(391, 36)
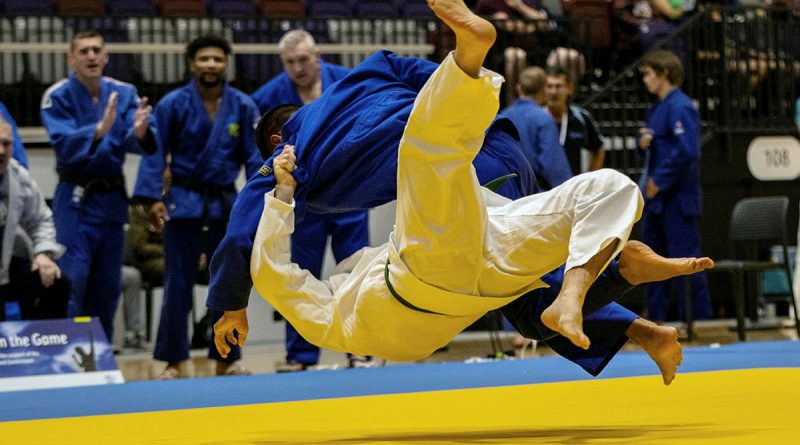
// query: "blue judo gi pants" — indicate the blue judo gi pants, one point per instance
point(184, 241)
point(672, 234)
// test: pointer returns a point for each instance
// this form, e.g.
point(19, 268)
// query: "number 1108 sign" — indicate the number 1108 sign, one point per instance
point(774, 158)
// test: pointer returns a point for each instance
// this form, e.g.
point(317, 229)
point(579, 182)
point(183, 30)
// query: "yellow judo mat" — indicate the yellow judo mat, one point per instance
point(747, 406)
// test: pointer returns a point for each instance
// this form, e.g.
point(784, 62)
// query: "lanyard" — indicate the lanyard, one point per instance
point(563, 136)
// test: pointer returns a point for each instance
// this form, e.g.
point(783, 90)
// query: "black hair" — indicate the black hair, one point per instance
point(271, 123)
point(207, 41)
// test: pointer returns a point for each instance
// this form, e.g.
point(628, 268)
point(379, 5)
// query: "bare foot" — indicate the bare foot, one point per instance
point(639, 264)
point(660, 343)
point(565, 317)
point(474, 35)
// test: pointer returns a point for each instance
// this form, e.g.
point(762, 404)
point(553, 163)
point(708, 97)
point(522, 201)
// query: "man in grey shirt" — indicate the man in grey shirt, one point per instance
point(31, 284)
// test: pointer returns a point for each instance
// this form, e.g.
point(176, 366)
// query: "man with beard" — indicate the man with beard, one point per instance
point(206, 127)
point(92, 121)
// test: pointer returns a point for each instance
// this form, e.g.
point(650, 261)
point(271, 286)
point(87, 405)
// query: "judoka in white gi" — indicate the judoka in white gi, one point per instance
point(458, 250)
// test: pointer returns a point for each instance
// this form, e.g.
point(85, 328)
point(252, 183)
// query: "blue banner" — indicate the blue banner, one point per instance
point(55, 347)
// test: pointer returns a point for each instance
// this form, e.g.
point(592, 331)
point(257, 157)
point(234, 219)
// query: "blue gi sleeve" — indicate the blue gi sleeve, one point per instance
point(150, 178)
point(19, 147)
point(127, 117)
point(230, 284)
point(412, 71)
point(683, 144)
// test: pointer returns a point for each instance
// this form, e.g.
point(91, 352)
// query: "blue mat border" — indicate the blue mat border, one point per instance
point(273, 388)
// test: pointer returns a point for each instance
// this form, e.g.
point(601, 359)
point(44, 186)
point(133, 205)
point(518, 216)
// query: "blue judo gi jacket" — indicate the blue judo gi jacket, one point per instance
point(673, 158)
point(207, 153)
point(70, 116)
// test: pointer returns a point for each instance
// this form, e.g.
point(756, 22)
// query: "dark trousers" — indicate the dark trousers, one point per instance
point(35, 301)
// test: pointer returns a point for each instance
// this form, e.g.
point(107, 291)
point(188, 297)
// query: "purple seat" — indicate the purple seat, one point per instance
point(416, 9)
point(329, 9)
point(231, 8)
point(138, 8)
point(376, 9)
point(27, 7)
point(280, 8)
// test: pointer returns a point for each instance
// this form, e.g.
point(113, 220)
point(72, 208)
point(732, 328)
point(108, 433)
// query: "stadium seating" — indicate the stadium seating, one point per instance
point(281, 8)
point(182, 8)
point(416, 9)
point(137, 8)
point(380, 9)
point(80, 7)
point(27, 7)
point(231, 8)
point(329, 9)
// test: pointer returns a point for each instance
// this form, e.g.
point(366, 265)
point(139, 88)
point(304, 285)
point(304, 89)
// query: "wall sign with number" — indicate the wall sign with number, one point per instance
point(774, 158)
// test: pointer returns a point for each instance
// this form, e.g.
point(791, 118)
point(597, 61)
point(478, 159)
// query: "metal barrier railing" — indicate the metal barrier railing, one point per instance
point(741, 66)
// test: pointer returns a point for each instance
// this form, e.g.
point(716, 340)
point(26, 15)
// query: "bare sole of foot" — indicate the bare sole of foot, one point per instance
point(638, 264)
point(567, 321)
point(474, 35)
point(661, 344)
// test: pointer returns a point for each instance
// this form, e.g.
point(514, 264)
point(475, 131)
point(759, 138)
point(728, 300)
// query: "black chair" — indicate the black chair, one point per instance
point(756, 224)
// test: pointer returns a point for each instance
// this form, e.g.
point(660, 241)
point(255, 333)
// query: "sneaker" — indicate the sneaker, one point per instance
point(133, 341)
point(361, 361)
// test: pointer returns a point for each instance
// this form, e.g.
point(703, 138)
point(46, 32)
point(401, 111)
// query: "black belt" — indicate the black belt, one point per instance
point(103, 184)
point(203, 187)
point(397, 296)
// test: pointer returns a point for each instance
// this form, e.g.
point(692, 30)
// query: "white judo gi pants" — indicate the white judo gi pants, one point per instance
point(455, 235)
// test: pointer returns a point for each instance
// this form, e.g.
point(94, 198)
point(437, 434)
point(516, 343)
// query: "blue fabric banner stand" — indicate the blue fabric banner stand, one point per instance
point(55, 354)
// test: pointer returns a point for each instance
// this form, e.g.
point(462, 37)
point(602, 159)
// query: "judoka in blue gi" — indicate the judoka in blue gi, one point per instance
point(347, 158)
point(206, 127)
point(19, 148)
point(304, 78)
point(670, 144)
point(537, 131)
point(92, 122)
